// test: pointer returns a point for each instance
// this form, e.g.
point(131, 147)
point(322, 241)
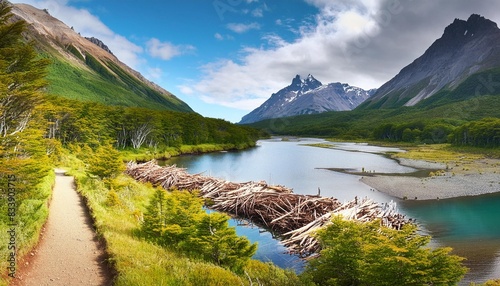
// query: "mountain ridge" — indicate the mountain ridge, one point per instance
point(465, 48)
point(308, 96)
point(106, 78)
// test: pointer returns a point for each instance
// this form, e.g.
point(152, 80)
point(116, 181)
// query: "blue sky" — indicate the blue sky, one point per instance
point(226, 57)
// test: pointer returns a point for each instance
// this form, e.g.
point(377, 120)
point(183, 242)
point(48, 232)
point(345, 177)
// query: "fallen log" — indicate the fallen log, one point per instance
point(294, 217)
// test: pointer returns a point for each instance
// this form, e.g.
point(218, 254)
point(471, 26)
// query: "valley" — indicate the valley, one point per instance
point(67, 101)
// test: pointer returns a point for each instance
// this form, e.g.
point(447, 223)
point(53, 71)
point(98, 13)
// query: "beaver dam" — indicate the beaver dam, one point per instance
point(292, 216)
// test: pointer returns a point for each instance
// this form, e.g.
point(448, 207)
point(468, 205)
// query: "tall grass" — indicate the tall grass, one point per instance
point(147, 154)
point(30, 217)
point(117, 207)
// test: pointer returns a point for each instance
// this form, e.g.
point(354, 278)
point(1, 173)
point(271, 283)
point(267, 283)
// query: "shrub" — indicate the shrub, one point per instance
point(356, 253)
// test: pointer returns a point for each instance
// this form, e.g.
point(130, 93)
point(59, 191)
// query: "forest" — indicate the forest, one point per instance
point(75, 122)
point(165, 235)
point(455, 123)
point(38, 131)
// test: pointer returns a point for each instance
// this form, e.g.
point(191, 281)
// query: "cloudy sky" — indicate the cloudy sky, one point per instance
point(226, 57)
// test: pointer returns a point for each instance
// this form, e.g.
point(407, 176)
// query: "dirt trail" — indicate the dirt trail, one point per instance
point(68, 252)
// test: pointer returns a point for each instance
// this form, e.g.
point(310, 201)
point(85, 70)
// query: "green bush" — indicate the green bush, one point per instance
point(105, 162)
point(177, 220)
point(355, 253)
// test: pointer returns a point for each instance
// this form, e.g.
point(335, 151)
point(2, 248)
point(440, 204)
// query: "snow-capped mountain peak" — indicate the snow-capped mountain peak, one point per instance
point(308, 96)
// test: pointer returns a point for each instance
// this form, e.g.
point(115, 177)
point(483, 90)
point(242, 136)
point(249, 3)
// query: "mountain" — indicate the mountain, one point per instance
point(308, 96)
point(467, 51)
point(86, 69)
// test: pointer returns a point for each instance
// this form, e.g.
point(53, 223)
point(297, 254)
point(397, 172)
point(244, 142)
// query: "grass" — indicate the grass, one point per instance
point(71, 81)
point(441, 153)
point(117, 208)
point(31, 216)
point(147, 154)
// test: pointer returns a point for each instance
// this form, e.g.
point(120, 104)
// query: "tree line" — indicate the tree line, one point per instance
point(35, 127)
point(480, 133)
point(72, 121)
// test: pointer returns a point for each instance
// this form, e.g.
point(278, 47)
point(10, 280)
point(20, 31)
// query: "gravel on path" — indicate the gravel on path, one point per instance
point(69, 252)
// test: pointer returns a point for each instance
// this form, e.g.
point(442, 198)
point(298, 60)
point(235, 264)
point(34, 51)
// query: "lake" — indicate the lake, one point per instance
point(469, 225)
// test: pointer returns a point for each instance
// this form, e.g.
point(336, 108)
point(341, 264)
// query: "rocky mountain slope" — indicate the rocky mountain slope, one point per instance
point(85, 69)
point(466, 48)
point(308, 96)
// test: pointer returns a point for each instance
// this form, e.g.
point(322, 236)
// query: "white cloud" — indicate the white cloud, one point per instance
point(258, 12)
point(185, 89)
point(219, 36)
point(154, 73)
point(246, 82)
point(362, 42)
point(87, 24)
point(242, 28)
point(166, 50)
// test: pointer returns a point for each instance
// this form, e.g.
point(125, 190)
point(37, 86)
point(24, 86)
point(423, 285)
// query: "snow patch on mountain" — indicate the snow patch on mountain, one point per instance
point(309, 96)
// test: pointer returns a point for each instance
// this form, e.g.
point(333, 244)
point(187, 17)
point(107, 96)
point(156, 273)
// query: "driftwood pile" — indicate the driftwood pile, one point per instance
point(295, 217)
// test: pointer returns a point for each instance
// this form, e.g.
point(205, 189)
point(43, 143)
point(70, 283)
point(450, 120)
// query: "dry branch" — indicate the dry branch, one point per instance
point(293, 216)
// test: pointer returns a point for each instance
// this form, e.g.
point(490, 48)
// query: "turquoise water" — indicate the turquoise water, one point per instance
point(469, 225)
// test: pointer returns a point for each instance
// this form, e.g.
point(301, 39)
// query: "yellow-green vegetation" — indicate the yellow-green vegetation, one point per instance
point(487, 283)
point(25, 164)
point(119, 212)
point(441, 153)
point(322, 145)
point(147, 154)
point(457, 161)
point(437, 173)
point(28, 219)
point(177, 220)
point(355, 253)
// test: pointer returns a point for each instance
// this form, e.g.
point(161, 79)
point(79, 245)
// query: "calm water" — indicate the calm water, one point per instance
point(469, 225)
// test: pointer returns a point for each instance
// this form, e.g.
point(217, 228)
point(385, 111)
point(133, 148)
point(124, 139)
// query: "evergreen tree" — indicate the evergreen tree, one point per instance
point(356, 253)
point(21, 75)
point(106, 162)
point(215, 241)
point(177, 220)
point(22, 147)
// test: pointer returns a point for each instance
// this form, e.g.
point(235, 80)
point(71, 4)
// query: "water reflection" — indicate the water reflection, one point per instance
point(269, 248)
point(469, 225)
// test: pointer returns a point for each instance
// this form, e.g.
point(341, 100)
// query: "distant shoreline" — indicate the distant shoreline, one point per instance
point(461, 177)
point(454, 182)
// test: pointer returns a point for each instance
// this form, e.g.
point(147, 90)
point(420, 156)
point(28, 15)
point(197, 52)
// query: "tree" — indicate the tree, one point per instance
point(171, 217)
point(356, 253)
point(106, 162)
point(22, 148)
point(177, 220)
point(21, 75)
point(481, 133)
point(215, 241)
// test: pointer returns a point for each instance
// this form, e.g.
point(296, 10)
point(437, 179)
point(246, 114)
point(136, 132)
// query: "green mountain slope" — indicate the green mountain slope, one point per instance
point(457, 80)
point(362, 123)
point(74, 82)
point(468, 51)
point(85, 71)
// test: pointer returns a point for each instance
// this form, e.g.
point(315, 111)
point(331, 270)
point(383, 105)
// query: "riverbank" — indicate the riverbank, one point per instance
point(459, 175)
point(118, 207)
point(148, 154)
